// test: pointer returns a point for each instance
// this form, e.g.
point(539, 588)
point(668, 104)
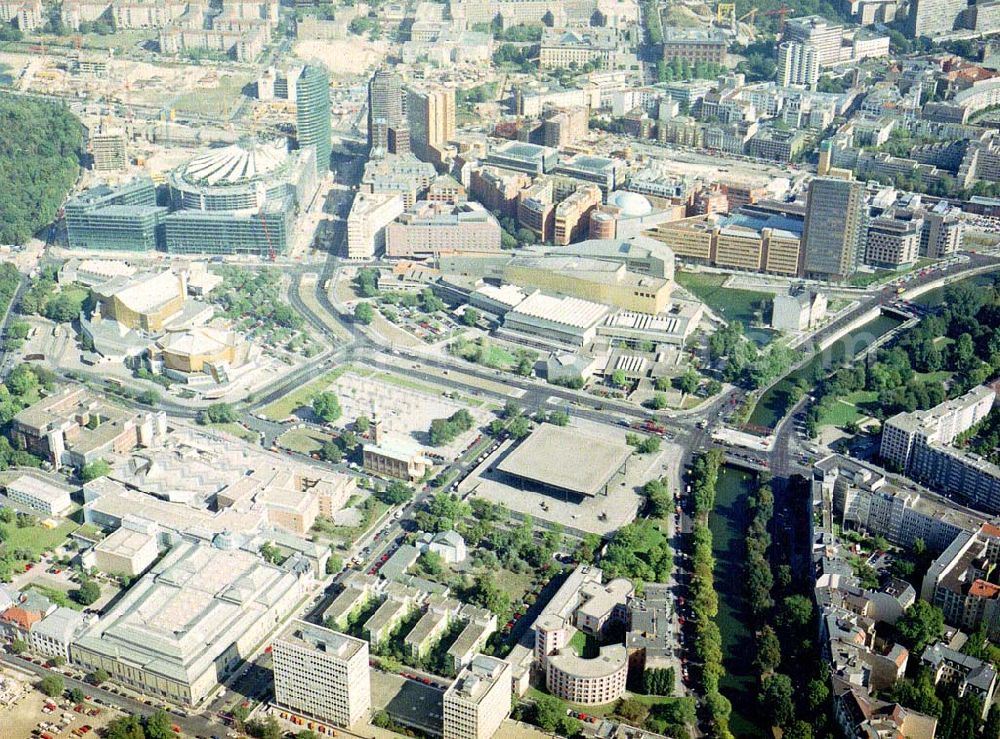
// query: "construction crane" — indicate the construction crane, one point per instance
point(271, 255)
point(725, 14)
point(780, 13)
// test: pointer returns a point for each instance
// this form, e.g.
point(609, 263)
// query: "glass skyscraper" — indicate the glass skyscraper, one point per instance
point(313, 101)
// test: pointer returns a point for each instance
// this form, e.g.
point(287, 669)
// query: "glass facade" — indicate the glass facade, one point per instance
point(313, 116)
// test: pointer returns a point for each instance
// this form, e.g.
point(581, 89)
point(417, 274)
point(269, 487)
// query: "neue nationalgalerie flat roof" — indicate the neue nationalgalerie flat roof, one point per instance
point(563, 458)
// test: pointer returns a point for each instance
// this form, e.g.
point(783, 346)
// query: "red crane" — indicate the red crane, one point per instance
point(780, 13)
point(270, 247)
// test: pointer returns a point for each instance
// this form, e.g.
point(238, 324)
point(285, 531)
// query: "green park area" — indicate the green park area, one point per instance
point(303, 441)
point(284, 406)
point(733, 304)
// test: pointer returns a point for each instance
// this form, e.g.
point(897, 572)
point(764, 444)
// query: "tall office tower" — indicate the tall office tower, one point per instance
point(431, 112)
point(798, 64)
point(312, 92)
point(479, 700)
point(110, 150)
point(935, 17)
point(386, 114)
point(834, 228)
point(322, 674)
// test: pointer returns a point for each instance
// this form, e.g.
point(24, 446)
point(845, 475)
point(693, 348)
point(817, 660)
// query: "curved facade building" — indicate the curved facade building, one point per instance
point(590, 682)
point(242, 176)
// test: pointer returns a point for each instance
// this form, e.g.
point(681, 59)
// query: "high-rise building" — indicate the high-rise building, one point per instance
point(109, 149)
point(798, 64)
point(816, 31)
point(479, 700)
point(313, 113)
point(834, 227)
point(386, 113)
point(431, 113)
point(892, 242)
point(370, 214)
point(934, 17)
point(322, 674)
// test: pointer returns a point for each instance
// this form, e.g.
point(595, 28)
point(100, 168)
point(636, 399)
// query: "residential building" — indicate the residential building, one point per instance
point(322, 674)
point(892, 242)
point(430, 229)
point(571, 677)
point(935, 17)
point(476, 704)
point(834, 227)
point(958, 581)
point(798, 65)
point(312, 113)
point(814, 30)
point(694, 45)
point(52, 636)
point(798, 311)
point(498, 189)
point(366, 223)
point(446, 189)
point(563, 126)
point(967, 675)
point(431, 114)
point(572, 214)
point(777, 144)
point(405, 176)
point(449, 545)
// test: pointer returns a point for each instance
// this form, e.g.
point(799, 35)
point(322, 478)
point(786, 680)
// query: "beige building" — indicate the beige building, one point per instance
point(200, 349)
point(322, 674)
point(572, 215)
point(145, 301)
point(367, 221)
point(892, 242)
point(49, 496)
point(431, 113)
point(536, 209)
point(430, 229)
point(594, 280)
point(564, 126)
point(694, 45)
point(126, 552)
point(477, 703)
point(589, 682)
point(498, 189)
point(109, 149)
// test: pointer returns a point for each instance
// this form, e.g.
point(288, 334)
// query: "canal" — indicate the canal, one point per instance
point(776, 401)
point(728, 523)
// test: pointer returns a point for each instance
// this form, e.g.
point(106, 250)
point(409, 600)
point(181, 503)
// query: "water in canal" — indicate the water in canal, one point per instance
point(774, 403)
point(728, 523)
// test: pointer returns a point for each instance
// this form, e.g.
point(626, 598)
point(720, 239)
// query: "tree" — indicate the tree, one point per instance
point(363, 313)
point(618, 378)
point(768, 650)
point(334, 564)
point(326, 406)
point(88, 593)
point(470, 317)
point(796, 612)
point(659, 401)
point(549, 711)
point(658, 681)
point(52, 685)
point(558, 418)
point(19, 646)
point(361, 424)
point(330, 452)
point(93, 470)
point(270, 553)
point(431, 562)
point(689, 381)
point(920, 625)
point(158, 725)
point(98, 676)
point(77, 696)
point(776, 699)
point(395, 493)
point(126, 727)
point(519, 427)
point(217, 413)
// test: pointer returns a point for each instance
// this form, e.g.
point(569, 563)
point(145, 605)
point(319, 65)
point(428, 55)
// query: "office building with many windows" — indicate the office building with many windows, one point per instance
point(312, 92)
point(479, 700)
point(834, 227)
point(115, 219)
point(322, 674)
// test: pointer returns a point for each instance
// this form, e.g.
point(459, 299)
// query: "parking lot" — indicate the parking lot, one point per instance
point(55, 718)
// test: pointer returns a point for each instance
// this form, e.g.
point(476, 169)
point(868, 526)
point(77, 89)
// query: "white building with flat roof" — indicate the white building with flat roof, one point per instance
point(52, 636)
point(126, 552)
point(367, 221)
point(39, 494)
point(479, 700)
point(562, 321)
point(189, 622)
point(322, 674)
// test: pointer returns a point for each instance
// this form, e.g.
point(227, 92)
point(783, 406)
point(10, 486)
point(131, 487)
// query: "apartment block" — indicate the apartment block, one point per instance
point(366, 223)
point(477, 703)
point(572, 215)
point(322, 674)
point(430, 229)
point(694, 45)
point(892, 243)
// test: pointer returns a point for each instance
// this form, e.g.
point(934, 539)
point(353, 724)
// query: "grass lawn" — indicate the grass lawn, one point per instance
point(218, 100)
point(59, 597)
point(349, 534)
point(939, 376)
point(236, 430)
point(399, 381)
point(119, 40)
point(604, 710)
point(304, 441)
point(36, 538)
point(732, 304)
point(282, 408)
point(847, 409)
point(514, 584)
